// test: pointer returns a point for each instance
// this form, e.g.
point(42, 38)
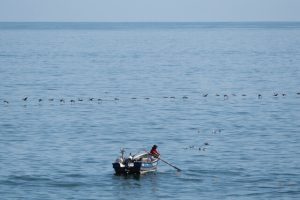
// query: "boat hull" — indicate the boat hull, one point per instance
point(135, 167)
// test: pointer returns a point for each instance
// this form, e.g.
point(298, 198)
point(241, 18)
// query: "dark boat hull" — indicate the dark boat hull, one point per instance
point(135, 167)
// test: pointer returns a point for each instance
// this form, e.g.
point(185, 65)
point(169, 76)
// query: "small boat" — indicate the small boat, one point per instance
point(139, 163)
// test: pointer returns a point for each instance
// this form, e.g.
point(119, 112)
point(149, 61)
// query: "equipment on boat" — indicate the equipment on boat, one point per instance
point(139, 163)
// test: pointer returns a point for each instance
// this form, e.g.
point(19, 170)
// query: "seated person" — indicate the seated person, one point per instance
point(154, 152)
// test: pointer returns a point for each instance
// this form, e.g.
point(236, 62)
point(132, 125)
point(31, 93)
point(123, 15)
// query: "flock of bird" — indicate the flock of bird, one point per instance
point(62, 100)
point(204, 145)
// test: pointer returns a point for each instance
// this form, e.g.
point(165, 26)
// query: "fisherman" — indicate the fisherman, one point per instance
point(154, 151)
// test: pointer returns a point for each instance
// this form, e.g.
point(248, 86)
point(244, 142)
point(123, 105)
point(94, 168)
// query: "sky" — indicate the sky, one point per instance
point(150, 10)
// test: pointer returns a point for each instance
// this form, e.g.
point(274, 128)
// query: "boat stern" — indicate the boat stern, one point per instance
point(119, 168)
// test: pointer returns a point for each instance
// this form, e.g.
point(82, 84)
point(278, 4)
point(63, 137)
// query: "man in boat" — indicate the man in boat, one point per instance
point(154, 151)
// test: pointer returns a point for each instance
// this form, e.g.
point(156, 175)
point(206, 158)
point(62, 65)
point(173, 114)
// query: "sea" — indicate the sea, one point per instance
point(220, 100)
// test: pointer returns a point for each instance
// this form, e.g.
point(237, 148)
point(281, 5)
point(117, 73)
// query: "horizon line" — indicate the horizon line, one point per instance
point(271, 21)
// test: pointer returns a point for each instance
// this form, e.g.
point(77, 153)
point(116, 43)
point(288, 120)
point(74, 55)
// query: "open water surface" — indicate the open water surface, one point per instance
point(190, 88)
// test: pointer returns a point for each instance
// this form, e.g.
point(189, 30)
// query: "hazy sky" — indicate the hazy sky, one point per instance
point(149, 10)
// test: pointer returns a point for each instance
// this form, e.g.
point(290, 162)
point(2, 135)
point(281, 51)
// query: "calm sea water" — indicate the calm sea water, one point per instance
point(152, 79)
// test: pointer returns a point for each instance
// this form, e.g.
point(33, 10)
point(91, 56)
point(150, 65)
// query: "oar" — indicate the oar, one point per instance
point(165, 162)
point(170, 164)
